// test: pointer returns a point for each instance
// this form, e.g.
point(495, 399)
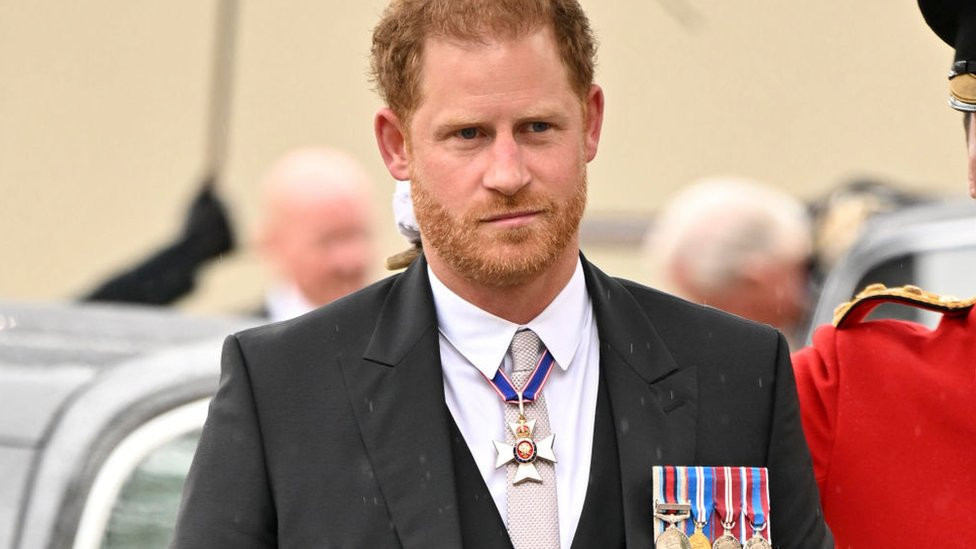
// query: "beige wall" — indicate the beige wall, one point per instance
point(102, 114)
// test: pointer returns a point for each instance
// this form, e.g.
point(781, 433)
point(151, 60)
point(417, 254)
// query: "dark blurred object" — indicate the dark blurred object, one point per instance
point(839, 217)
point(955, 23)
point(842, 216)
point(170, 273)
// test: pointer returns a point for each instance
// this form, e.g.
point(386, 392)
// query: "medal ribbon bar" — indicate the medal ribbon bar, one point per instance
point(727, 507)
point(674, 510)
point(728, 503)
point(757, 504)
point(700, 480)
point(657, 483)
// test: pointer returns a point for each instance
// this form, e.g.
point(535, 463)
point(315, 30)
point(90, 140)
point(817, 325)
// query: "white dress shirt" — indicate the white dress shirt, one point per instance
point(474, 343)
point(285, 301)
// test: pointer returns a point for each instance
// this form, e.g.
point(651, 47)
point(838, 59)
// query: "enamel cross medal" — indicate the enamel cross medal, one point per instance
point(526, 449)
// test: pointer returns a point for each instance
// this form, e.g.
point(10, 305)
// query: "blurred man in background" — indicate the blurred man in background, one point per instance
point(315, 235)
point(737, 245)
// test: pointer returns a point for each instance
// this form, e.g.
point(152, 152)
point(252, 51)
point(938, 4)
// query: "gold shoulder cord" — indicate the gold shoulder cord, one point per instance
point(870, 297)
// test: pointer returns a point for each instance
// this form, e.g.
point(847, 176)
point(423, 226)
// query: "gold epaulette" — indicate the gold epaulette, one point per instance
point(870, 297)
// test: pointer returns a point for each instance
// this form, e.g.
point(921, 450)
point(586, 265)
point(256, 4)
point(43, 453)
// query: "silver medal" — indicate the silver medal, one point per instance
point(672, 538)
point(726, 541)
point(758, 542)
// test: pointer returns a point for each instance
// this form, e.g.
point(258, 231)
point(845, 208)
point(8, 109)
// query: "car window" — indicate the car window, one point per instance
point(948, 273)
point(136, 493)
point(145, 512)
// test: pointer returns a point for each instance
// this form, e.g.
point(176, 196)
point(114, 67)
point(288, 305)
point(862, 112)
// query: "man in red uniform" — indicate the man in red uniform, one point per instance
point(887, 405)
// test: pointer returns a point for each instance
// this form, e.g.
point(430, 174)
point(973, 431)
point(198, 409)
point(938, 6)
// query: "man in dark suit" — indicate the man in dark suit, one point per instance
point(376, 421)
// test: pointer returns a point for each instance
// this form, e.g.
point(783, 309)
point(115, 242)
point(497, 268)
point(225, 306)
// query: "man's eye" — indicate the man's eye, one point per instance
point(468, 133)
point(539, 127)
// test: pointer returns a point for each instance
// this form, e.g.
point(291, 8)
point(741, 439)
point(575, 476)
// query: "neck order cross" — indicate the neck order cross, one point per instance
point(533, 512)
point(529, 376)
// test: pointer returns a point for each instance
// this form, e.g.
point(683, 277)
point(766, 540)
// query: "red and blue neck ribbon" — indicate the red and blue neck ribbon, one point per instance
point(532, 388)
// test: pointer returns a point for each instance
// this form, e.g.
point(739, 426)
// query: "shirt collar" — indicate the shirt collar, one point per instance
point(483, 338)
point(285, 301)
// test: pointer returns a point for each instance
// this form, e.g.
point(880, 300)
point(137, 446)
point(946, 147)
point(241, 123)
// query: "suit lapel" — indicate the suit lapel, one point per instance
point(397, 393)
point(654, 402)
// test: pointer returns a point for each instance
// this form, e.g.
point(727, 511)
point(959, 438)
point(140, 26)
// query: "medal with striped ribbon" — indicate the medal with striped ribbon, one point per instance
point(526, 449)
point(728, 503)
point(757, 508)
point(672, 509)
point(700, 480)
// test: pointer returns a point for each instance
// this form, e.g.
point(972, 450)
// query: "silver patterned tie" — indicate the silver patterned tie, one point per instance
point(533, 514)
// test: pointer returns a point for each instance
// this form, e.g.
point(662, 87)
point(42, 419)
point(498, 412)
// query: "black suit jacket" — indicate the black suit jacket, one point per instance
point(330, 430)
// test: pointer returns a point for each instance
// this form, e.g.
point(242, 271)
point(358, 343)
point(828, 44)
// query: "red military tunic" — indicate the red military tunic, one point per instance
point(889, 412)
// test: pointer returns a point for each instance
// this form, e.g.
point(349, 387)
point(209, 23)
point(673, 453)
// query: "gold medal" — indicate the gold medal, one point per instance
point(701, 505)
point(698, 539)
point(726, 541)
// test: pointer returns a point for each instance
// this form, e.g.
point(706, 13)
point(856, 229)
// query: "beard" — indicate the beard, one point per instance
point(499, 257)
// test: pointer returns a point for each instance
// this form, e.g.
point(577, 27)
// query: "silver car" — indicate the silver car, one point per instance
point(100, 411)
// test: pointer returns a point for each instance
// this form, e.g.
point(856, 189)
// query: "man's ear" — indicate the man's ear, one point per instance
point(392, 142)
point(593, 124)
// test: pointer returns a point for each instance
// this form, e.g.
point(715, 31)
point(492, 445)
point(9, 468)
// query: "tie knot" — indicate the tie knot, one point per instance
point(525, 350)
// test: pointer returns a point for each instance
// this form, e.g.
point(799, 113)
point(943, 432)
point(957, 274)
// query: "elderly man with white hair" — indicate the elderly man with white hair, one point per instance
point(315, 236)
point(737, 245)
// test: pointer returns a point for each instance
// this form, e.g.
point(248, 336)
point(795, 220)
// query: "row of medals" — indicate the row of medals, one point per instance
point(674, 538)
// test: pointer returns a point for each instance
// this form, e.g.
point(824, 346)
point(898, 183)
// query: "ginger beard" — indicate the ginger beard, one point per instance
point(499, 257)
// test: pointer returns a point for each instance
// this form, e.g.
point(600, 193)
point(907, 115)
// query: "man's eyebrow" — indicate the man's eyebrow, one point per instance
point(459, 121)
point(467, 121)
point(543, 115)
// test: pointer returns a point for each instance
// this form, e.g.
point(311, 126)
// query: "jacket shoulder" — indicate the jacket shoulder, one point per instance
point(853, 312)
point(662, 307)
point(705, 336)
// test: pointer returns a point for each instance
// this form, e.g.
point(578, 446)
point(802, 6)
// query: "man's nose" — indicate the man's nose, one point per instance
point(507, 172)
